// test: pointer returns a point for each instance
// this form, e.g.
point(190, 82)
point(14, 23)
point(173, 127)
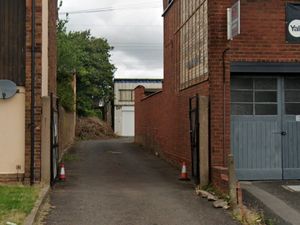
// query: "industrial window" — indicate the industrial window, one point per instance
point(292, 96)
point(194, 42)
point(254, 96)
point(12, 40)
point(127, 95)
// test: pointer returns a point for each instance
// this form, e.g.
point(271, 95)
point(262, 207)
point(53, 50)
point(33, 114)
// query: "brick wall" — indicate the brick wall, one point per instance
point(163, 118)
point(37, 88)
point(11, 178)
point(262, 39)
point(38, 85)
point(52, 51)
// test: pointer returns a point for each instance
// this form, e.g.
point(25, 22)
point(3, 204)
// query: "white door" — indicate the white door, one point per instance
point(128, 122)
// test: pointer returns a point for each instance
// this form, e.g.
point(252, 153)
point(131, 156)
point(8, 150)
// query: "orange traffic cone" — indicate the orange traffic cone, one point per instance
point(62, 174)
point(184, 175)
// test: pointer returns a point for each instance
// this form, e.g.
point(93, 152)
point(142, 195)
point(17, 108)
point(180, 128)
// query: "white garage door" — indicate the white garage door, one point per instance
point(128, 122)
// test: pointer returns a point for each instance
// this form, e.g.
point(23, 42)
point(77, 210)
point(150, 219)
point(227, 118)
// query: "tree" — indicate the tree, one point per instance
point(90, 57)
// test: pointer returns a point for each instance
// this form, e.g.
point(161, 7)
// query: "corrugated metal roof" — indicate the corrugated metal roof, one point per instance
point(138, 80)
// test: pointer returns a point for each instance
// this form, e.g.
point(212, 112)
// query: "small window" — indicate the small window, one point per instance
point(241, 109)
point(292, 95)
point(292, 83)
point(292, 108)
point(265, 96)
point(242, 83)
point(266, 84)
point(126, 95)
point(241, 96)
point(265, 109)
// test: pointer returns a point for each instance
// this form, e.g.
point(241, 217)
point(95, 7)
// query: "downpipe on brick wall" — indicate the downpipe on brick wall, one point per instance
point(32, 155)
point(224, 104)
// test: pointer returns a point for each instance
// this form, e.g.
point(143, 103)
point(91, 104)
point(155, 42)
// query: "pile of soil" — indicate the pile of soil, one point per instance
point(92, 128)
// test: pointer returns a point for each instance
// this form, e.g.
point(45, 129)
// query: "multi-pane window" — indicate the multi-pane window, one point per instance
point(292, 96)
point(254, 96)
point(194, 42)
point(126, 95)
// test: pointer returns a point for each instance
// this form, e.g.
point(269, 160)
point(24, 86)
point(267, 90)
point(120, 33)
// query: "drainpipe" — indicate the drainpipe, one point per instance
point(32, 174)
point(224, 103)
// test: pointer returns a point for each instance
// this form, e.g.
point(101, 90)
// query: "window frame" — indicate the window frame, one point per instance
point(131, 95)
point(290, 102)
point(254, 103)
point(193, 33)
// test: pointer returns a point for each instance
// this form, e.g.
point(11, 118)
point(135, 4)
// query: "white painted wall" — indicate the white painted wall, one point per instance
point(124, 111)
point(12, 133)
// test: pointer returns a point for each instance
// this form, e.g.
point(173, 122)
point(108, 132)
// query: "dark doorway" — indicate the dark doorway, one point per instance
point(194, 137)
point(54, 139)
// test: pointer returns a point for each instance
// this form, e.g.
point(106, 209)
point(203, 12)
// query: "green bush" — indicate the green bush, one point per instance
point(90, 58)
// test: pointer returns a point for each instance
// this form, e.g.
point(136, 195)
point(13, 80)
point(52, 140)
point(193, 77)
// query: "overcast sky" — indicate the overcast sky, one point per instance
point(133, 27)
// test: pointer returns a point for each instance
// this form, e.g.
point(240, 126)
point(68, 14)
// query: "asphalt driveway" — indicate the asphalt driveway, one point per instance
point(114, 182)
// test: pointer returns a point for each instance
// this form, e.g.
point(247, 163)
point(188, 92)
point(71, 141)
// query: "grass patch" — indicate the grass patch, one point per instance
point(16, 202)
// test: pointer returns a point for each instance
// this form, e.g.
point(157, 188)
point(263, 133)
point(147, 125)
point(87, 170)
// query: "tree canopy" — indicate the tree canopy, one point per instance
point(89, 58)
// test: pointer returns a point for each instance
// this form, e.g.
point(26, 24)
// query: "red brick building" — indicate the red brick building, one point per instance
point(248, 91)
point(27, 58)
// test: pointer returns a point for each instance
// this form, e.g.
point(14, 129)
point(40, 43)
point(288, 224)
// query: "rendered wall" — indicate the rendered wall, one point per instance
point(12, 133)
point(45, 75)
point(67, 124)
point(46, 135)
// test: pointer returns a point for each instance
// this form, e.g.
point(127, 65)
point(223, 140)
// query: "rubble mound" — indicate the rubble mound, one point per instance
point(92, 128)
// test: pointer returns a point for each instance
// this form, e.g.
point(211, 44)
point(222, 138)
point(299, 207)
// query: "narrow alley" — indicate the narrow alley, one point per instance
point(115, 182)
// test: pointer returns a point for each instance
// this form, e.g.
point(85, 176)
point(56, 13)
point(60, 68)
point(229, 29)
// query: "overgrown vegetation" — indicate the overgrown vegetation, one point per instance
point(92, 128)
point(211, 189)
point(89, 58)
point(242, 214)
point(16, 202)
point(249, 217)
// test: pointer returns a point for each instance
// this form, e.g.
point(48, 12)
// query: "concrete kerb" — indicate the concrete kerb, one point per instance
point(272, 207)
point(31, 218)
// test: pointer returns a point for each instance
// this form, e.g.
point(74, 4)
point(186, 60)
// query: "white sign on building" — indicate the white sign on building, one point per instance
point(234, 20)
